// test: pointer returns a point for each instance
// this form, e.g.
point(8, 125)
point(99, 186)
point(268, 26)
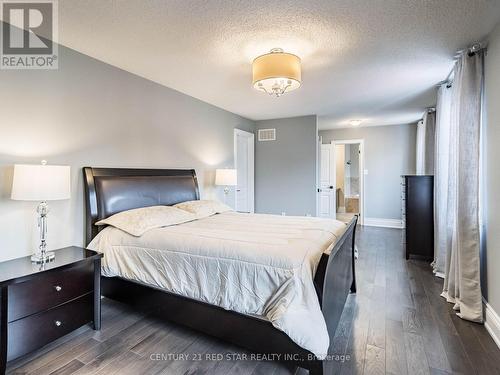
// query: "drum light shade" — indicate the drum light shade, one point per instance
point(225, 177)
point(40, 182)
point(277, 72)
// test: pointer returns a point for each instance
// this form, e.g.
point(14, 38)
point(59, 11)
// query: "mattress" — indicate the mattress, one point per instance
point(254, 264)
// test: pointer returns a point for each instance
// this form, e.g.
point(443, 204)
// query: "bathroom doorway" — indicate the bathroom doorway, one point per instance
point(349, 174)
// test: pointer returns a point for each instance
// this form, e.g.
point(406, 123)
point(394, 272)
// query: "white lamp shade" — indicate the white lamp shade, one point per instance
point(276, 72)
point(40, 182)
point(225, 177)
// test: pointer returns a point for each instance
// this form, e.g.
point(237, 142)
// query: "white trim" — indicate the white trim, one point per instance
point(492, 322)
point(384, 223)
point(361, 142)
point(251, 165)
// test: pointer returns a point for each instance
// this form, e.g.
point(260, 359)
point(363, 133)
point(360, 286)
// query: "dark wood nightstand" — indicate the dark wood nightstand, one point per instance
point(40, 303)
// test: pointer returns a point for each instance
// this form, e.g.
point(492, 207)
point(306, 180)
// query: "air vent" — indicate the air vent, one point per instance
point(267, 135)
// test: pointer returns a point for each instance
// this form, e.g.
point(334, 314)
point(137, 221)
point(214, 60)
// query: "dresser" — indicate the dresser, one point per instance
point(417, 194)
point(42, 302)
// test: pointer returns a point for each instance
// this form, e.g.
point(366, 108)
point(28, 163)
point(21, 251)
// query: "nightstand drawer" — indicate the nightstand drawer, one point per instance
point(49, 289)
point(35, 331)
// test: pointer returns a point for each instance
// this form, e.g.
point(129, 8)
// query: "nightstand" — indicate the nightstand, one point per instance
point(40, 303)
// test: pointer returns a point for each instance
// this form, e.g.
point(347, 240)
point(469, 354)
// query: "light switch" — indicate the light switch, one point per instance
point(365, 172)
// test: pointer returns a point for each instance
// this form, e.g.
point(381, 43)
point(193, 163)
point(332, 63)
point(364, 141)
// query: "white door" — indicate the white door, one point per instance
point(244, 163)
point(327, 182)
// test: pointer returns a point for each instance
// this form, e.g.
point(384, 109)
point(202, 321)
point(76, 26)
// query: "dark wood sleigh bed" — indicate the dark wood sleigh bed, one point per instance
point(112, 190)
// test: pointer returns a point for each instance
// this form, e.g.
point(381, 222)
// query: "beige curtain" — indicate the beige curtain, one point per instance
point(420, 148)
point(429, 141)
point(426, 130)
point(462, 280)
point(441, 165)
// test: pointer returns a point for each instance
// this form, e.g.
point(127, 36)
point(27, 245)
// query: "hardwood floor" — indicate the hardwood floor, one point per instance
point(396, 324)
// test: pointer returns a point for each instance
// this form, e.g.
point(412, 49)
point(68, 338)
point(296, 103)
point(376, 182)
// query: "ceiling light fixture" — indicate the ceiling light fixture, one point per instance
point(276, 72)
point(355, 122)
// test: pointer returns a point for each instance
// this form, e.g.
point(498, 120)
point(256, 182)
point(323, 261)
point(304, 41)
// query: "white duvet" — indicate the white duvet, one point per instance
point(253, 264)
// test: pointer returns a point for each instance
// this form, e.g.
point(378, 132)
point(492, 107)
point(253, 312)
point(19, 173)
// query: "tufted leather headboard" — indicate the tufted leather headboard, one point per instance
point(112, 190)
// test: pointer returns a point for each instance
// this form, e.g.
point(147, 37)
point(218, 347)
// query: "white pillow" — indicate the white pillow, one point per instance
point(203, 208)
point(138, 221)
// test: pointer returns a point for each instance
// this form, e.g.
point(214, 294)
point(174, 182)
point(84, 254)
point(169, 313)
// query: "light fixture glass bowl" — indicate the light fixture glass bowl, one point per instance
point(276, 72)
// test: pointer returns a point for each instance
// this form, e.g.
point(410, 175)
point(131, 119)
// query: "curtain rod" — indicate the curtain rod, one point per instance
point(446, 81)
point(471, 51)
point(476, 47)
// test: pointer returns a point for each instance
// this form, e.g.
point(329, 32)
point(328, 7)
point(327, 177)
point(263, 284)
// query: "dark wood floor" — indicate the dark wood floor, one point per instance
point(396, 324)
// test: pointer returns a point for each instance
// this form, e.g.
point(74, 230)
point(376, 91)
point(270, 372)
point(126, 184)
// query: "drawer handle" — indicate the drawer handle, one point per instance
point(58, 323)
point(58, 288)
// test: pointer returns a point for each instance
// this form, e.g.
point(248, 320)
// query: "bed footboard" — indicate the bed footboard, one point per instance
point(339, 278)
point(334, 279)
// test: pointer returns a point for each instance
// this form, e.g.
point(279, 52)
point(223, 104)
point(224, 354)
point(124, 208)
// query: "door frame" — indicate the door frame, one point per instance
point(251, 166)
point(361, 142)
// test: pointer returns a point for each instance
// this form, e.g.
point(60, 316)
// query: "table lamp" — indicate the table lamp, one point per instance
point(226, 178)
point(41, 183)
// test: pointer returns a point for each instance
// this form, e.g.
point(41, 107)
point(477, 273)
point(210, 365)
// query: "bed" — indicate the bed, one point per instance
point(260, 242)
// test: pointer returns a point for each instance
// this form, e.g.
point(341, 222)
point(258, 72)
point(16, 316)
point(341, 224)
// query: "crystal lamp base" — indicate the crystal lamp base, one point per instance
point(43, 258)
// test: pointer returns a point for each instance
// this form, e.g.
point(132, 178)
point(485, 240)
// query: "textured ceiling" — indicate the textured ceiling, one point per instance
point(375, 60)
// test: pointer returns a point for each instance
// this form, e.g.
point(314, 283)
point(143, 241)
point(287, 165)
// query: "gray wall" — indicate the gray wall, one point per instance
point(389, 153)
point(285, 169)
point(490, 273)
point(89, 113)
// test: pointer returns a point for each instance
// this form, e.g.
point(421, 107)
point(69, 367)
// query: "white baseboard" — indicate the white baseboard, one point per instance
point(492, 322)
point(384, 223)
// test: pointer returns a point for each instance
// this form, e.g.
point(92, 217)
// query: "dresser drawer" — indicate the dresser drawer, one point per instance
point(49, 289)
point(35, 331)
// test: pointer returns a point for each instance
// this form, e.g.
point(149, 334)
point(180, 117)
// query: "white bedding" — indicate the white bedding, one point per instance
point(250, 263)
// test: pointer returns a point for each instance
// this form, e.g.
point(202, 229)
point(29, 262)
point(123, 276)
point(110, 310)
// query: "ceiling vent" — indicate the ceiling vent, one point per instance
point(267, 135)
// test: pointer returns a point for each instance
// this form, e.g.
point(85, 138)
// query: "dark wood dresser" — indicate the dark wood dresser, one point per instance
point(40, 303)
point(418, 216)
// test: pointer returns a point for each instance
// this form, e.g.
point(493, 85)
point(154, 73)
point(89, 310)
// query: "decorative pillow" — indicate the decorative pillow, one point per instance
point(203, 208)
point(138, 221)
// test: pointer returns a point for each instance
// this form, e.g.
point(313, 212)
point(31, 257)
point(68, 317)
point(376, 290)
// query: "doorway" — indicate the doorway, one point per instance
point(349, 184)
point(341, 180)
point(244, 164)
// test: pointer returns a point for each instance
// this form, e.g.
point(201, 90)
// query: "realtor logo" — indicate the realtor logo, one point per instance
point(29, 34)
